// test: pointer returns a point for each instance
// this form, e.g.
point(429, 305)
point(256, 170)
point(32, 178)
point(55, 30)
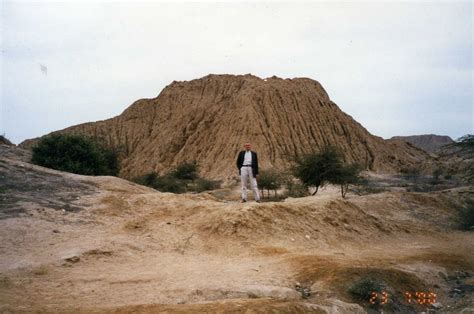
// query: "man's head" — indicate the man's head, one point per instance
point(247, 146)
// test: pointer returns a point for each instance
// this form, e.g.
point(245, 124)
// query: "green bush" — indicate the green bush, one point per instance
point(148, 179)
point(75, 153)
point(165, 183)
point(186, 171)
point(183, 178)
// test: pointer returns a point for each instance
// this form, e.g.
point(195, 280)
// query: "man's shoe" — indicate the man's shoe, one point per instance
point(258, 201)
point(244, 201)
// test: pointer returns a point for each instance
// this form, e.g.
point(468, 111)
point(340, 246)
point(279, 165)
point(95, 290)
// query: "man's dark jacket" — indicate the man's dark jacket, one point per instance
point(240, 162)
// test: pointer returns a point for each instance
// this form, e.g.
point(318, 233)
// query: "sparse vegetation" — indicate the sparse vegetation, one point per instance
point(183, 178)
point(77, 154)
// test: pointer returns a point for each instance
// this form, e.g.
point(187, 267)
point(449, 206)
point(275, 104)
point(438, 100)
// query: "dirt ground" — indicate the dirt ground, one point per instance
point(72, 243)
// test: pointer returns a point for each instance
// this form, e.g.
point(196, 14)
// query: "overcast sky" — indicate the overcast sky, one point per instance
point(398, 68)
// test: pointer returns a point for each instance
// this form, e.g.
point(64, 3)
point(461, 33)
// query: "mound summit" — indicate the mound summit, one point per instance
point(208, 120)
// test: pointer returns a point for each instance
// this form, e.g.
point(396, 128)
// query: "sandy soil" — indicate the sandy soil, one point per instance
point(73, 243)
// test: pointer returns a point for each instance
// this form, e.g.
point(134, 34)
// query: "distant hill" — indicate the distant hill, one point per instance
point(209, 119)
point(428, 142)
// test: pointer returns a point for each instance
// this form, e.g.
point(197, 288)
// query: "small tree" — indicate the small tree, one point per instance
point(345, 176)
point(269, 180)
point(315, 169)
point(318, 169)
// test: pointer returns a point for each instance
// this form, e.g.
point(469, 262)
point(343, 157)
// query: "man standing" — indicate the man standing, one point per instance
point(247, 162)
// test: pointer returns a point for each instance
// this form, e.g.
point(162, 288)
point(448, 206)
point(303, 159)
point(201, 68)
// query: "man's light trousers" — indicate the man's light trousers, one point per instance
point(245, 174)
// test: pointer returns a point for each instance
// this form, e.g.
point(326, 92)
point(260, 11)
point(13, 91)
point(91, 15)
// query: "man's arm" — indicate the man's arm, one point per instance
point(239, 162)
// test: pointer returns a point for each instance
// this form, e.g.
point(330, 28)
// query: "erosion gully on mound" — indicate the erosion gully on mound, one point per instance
point(72, 243)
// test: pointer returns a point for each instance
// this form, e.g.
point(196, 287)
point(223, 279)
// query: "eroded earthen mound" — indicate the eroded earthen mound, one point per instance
point(209, 119)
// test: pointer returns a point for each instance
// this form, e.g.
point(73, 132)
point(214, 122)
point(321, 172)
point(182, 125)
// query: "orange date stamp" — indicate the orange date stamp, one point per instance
point(411, 297)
